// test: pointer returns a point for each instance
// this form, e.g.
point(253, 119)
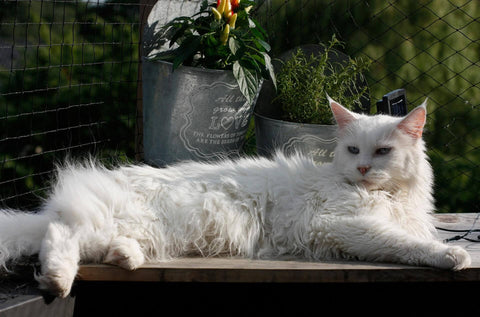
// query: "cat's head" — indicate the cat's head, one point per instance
point(380, 152)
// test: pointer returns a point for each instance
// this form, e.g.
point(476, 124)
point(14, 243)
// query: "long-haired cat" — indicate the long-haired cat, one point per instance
point(372, 203)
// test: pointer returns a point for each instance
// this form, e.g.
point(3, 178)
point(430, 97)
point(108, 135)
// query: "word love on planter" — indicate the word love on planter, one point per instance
point(216, 121)
point(191, 114)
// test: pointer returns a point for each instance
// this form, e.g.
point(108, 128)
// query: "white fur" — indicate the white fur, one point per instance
point(252, 207)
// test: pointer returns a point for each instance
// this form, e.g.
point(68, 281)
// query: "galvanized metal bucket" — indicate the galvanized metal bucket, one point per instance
point(314, 140)
point(274, 134)
point(191, 114)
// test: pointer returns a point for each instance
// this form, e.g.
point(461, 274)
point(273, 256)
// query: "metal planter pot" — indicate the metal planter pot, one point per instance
point(191, 114)
point(274, 134)
point(314, 140)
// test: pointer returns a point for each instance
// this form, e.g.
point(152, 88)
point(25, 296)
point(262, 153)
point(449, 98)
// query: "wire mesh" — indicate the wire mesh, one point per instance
point(69, 79)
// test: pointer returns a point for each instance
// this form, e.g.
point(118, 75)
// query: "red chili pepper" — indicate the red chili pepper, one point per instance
point(235, 4)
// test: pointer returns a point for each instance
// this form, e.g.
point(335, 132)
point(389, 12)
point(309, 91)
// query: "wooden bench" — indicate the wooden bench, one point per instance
point(253, 287)
point(238, 270)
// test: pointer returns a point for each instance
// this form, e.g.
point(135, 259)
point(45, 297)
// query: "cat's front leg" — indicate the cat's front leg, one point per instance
point(59, 257)
point(370, 239)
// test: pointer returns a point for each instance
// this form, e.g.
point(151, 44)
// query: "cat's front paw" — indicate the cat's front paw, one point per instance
point(125, 253)
point(455, 258)
point(56, 284)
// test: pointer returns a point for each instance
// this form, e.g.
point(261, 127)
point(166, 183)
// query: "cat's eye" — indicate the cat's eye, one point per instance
point(353, 149)
point(383, 150)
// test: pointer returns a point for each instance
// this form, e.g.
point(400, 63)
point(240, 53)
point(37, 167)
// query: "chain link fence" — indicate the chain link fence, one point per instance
point(69, 79)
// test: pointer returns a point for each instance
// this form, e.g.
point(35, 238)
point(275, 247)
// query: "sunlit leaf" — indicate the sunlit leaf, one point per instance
point(234, 45)
point(269, 67)
point(247, 81)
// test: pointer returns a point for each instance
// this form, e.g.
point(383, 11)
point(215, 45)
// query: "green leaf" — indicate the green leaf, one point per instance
point(247, 81)
point(204, 5)
point(234, 45)
point(186, 50)
point(270, 69)
point(178, 33)
point(212, 41)
point(168, 56)
point(254, 63)
point(264, 44)
point(258, 27)
point(177, 22)
point(257, 34)
point(251, 23)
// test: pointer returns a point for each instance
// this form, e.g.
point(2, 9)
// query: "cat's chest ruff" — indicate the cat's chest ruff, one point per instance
point(354, 201)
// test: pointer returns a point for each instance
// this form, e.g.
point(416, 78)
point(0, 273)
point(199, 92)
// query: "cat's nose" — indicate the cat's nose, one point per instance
point(363, 169)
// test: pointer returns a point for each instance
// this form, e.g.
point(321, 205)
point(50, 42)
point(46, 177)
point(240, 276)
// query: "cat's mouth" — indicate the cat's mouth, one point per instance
point(366, 183)
point(369, 182)
point(369, 185)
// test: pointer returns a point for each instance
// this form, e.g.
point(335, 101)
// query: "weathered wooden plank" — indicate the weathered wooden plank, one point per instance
point(214, 270)
point(463, 221)
point(232, 270)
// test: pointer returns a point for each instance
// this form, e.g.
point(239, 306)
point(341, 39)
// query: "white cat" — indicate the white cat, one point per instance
point(373, 203)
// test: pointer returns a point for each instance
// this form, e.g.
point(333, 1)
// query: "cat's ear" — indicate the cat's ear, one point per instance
point(414, 122)
point(342, 115)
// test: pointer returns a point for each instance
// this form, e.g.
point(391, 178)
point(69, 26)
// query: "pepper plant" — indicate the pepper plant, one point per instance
point(222, 35)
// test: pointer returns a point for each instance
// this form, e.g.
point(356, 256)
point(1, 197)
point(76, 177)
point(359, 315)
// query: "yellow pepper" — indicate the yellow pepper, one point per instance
point(221, 6)
point(224, 35)
point(216, 14)
point(232, 21)
point(228, 9)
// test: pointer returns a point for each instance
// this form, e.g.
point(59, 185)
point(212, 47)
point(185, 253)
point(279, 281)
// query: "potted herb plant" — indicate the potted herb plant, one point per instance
point(199, 89)
point(297, 116)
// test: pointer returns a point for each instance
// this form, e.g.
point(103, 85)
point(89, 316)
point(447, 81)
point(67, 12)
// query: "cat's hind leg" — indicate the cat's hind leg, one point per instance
point(59, 257)
point(125, 253)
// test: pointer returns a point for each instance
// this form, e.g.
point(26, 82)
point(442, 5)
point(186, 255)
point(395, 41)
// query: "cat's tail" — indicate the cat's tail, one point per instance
point(21, 234)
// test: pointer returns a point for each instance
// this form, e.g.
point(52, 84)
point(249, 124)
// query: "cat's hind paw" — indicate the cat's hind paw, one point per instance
point(125, 253)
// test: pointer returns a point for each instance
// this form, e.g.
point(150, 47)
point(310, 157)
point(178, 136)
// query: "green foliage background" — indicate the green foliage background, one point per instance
point(68, 79)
